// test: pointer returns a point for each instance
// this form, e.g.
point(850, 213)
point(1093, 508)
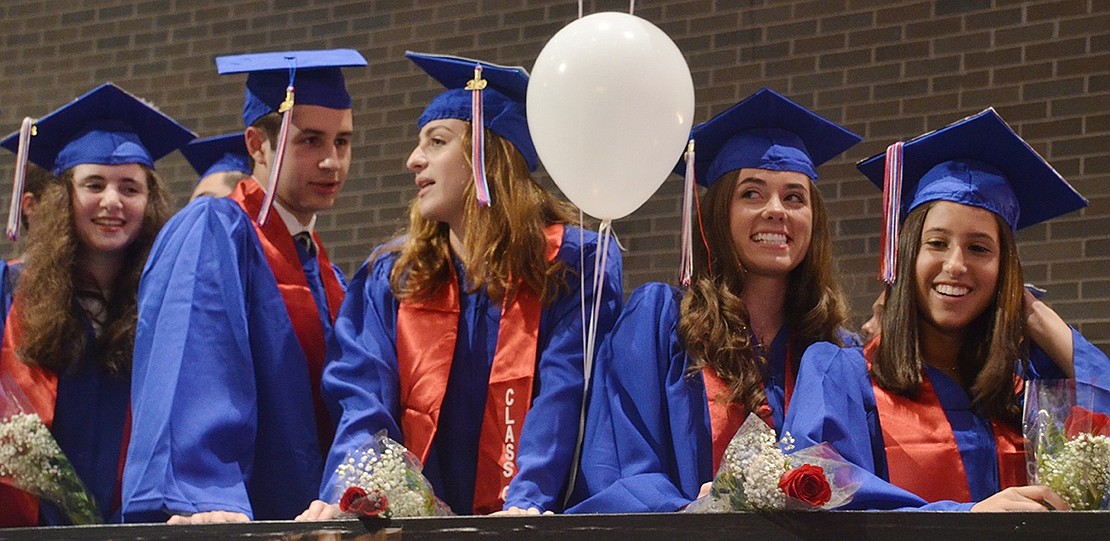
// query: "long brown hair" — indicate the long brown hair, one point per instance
point(504, 243)
point(51, 321)
point(994, 339)
point(714, 325)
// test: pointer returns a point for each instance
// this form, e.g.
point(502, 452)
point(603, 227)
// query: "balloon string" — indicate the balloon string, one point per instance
point(601, 258)
point(579, 9)
point(631, 7)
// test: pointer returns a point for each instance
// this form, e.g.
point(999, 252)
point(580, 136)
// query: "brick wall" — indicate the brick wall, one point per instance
point(887, 69)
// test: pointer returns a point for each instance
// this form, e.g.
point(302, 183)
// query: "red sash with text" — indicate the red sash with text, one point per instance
point(281, 254)
point(725, 418)
point(921, 452)
point(426, 334)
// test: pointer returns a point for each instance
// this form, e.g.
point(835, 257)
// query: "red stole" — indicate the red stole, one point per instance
point(285, 263)
point(921, 451)
point(426, 334)
point(40, 386)
point(725, 418)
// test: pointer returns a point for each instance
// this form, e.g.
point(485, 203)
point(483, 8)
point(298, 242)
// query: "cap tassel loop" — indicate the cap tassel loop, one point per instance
point(686, 267)
point(478, 136)
point(15, 213)
point(892, 209)
point(286, 110)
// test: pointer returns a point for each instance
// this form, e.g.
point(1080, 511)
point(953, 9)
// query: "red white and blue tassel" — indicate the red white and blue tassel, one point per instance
point(686, 266)
point(286, 110)
point(892, 210)
point(15, 212)
point(478, 136)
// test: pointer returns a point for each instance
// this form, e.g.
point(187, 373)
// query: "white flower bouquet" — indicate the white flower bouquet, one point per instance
point(757, 474)
point(384, 479)
point(1067, 441)
point(31, 460)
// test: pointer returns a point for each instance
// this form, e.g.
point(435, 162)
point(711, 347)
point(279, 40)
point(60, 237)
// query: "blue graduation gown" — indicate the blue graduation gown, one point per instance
point(648, 444)
point(89, 417)
point(222, 400)
point(361, 382)
point(835, 402)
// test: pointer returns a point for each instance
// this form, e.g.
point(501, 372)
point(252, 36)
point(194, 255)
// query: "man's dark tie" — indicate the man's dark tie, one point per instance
point(304, 239)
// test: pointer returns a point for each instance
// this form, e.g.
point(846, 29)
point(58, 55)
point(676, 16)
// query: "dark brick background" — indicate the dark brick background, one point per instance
point(887, 69)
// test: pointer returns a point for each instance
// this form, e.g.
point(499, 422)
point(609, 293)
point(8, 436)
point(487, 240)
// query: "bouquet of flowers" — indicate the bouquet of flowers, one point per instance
point(757, 474)
point(1067, 441)
point(384, 479)
point(31, 460)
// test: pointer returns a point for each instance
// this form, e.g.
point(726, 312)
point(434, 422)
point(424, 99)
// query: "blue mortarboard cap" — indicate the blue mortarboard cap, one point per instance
point(979, 161)
point(218, 154)
point(316, 77)
point(503, 99)
point(765, 131)
point(106, 126)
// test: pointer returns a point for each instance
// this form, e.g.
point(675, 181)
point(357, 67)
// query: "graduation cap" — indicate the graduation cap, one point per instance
point(218, 154)
point(486, 95)
point(978, 161)
point(277, 81)
point(764, 131)
point(106, 126)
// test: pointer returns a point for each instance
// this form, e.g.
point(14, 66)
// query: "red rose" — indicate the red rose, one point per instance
point(1083, 420)
point(357, 501)
point(806, 483)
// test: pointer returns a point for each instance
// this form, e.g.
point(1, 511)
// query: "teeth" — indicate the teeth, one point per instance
point(950, 290)
point(773, 238)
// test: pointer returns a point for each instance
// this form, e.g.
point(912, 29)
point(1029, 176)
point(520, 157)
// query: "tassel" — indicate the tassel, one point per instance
point(478, 136)
point(15, 212)
point(686, 266)
point(892, 210)
point(286, 110)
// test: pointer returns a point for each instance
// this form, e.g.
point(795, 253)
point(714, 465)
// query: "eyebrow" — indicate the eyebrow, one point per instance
point(761, 182)
point(975, 235)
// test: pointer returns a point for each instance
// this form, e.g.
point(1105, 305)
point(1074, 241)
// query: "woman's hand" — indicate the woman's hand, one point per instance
point(1030, 498)
point(209, 517)
point(319, 510)
point(1044, 327)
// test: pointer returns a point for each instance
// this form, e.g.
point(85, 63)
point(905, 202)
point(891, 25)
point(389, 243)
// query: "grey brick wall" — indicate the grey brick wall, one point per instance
point(887, 69)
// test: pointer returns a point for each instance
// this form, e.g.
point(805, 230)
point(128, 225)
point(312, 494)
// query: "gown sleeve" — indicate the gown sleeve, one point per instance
point(550, 430)
point(633, 458)
point(193, 383)
point(360, 381)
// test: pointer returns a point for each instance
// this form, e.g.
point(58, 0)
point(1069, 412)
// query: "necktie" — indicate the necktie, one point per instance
point(304, 239)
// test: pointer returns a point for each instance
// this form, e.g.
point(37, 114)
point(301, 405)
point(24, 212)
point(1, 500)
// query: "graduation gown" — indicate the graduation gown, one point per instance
point(223, 391)
point(649, 440)
point(361, 381)
point(835, 402)
point(86, 410)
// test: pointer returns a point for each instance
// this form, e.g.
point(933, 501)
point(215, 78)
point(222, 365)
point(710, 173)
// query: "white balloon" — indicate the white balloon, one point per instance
point(610, 107)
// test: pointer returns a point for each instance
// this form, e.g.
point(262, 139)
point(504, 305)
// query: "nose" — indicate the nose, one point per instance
point(331, 159)
point(774, 210)
point(954, 262)
point(110, 199)
point(416, 161)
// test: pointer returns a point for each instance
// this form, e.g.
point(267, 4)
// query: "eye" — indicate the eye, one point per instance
point(342, 142)
point(796, 197)
point(749, 193)
point(936, 244)
point(438, 141)
point(980, 249)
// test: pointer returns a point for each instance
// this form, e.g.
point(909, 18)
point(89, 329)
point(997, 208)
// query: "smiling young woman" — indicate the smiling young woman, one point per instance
point(682, 368)
point(931, 407)
point(71, 331)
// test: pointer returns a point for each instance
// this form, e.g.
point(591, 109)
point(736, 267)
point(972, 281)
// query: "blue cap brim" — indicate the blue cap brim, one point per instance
point(765, 131)
point(105, 126)
point(503, 100)
point(966, 161)
point(218, 154)
point(317, 78)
